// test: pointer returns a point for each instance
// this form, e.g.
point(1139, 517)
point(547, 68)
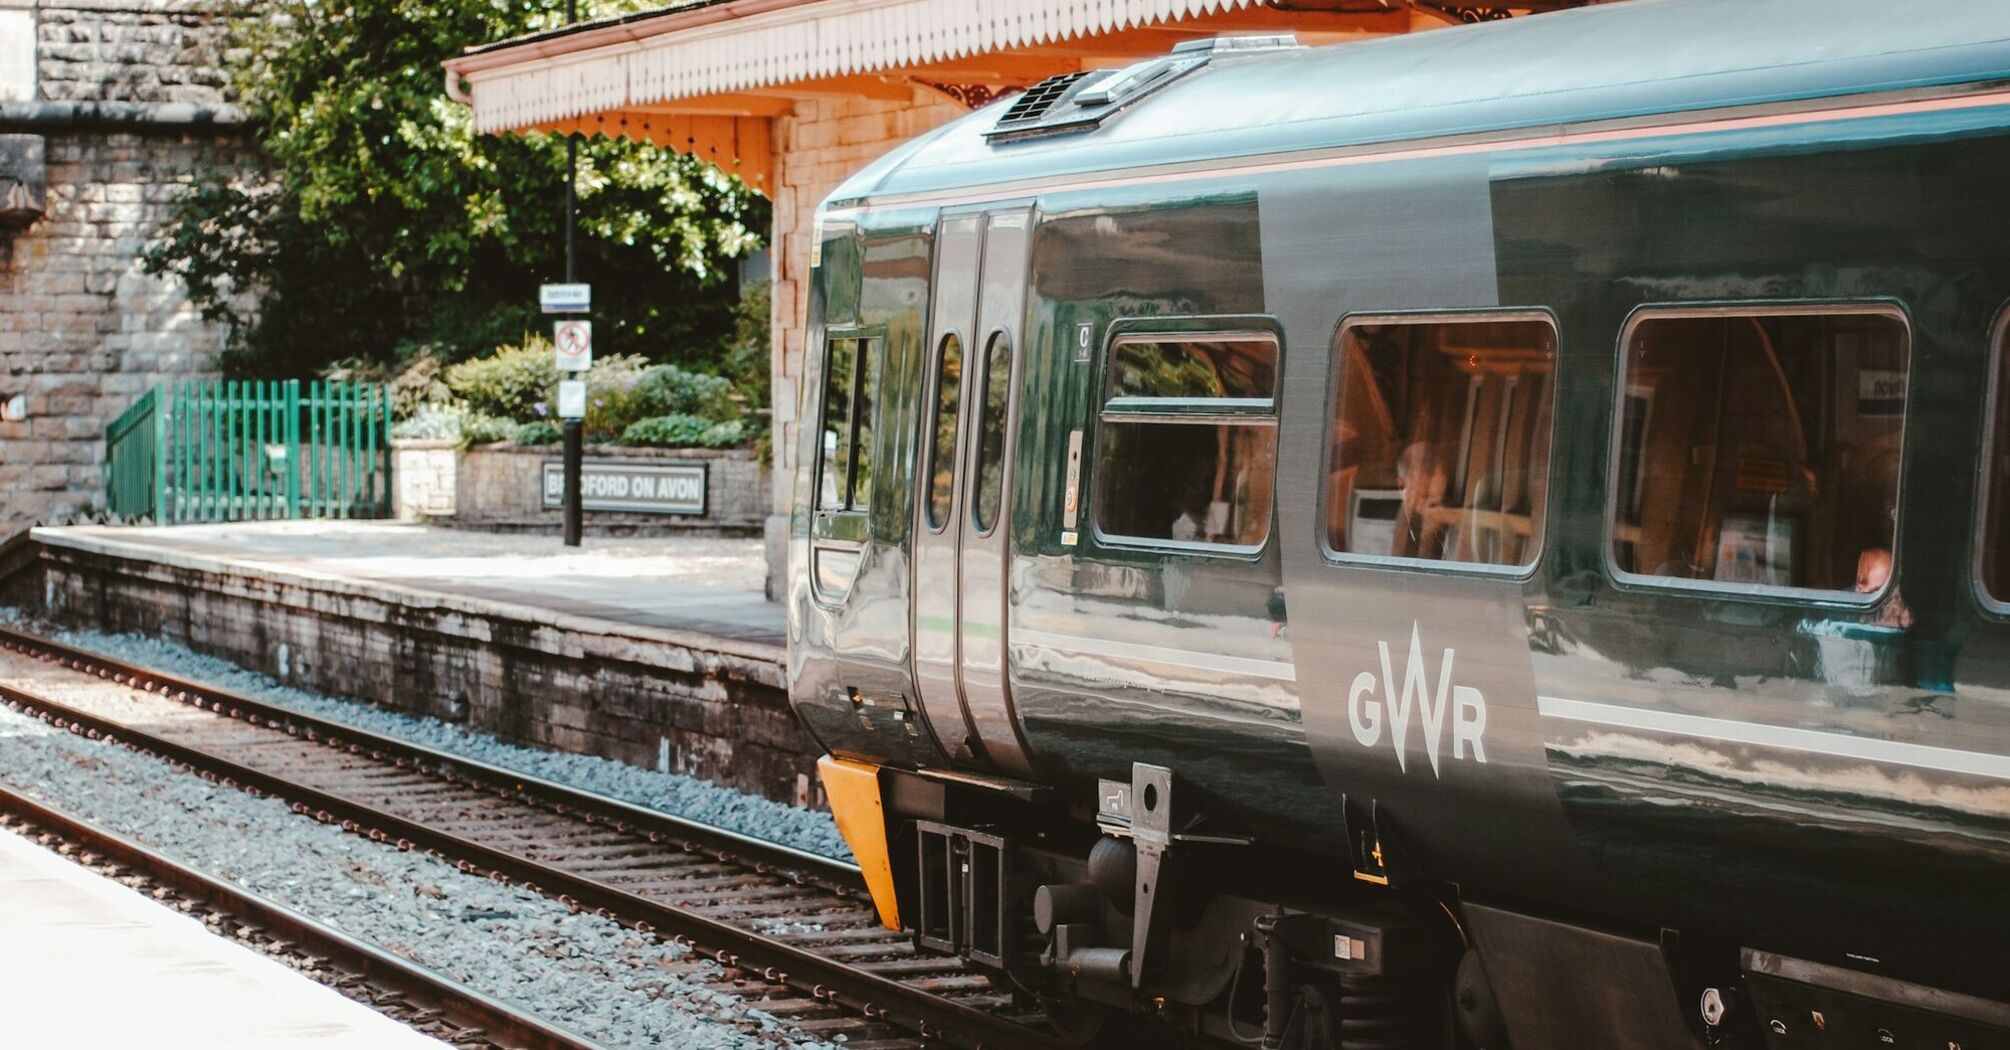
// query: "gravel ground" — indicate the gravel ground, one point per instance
point(671, 793)
point(583, 973)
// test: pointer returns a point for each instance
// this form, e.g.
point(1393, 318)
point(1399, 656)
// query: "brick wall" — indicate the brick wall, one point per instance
point(823, 144)
point(82, 330)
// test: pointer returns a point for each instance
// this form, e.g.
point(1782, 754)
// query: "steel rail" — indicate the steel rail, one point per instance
point(876, 997)
point(767, 856)
point(465, 1007)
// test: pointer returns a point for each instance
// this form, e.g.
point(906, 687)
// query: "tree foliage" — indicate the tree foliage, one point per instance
point(384, 223)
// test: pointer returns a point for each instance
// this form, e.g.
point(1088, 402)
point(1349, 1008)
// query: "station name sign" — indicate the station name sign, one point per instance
point(638, 488)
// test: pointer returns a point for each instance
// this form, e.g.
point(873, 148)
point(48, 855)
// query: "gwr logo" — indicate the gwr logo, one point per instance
point(1466, 706)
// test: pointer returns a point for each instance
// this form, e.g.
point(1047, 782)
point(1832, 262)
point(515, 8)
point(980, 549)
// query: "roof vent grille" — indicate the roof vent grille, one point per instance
point(1038, 100)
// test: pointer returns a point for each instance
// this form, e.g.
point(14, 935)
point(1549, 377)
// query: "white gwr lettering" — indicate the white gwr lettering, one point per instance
point(1466, 706)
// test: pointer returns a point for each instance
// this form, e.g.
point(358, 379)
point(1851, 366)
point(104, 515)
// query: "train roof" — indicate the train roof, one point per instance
point(1609, 62)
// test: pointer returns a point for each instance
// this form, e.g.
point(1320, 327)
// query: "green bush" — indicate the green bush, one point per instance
point(685, 431)
point(432, 423)
point(478, 429)
point(516, 382)
point(538, 432)
point(667, 390)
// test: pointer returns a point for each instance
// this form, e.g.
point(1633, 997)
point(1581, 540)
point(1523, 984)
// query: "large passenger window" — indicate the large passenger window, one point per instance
point(942, 449)
point(1761, 447)
point(1440, 440)
point(1187, 449)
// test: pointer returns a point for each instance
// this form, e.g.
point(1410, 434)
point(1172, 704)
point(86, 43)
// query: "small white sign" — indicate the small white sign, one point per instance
point(565, 298)
point(574, 343)
point(572, 399)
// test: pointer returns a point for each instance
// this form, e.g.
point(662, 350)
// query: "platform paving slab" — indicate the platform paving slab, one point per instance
point(86, 962)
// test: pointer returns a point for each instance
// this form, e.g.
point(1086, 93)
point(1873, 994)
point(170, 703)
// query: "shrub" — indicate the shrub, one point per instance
point(538, 432)
point(478, 429)
point(685, 431)
point(516, 382)
point(432, 423)
point(667, 390)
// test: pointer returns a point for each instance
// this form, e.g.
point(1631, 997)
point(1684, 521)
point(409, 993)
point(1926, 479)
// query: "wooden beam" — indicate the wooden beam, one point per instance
point(871, 86)
point(997, 67)
point(725, 105)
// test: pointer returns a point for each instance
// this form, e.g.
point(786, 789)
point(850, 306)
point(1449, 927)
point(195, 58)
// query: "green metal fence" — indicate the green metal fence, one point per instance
point(243, 451)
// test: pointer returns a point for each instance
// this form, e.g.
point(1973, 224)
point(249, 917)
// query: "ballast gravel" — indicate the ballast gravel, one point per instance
point(583, 973)
point(672, 793)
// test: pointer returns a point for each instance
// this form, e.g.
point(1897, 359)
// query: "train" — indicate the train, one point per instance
point(1498, 537)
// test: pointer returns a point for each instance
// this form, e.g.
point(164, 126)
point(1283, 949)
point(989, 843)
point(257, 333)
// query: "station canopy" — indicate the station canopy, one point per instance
point(708, 77)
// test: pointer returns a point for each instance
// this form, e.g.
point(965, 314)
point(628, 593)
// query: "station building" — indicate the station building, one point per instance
point(794, 96)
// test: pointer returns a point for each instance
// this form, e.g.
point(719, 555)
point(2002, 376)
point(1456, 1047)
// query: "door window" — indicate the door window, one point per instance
point(991, 430)
point(942, 449)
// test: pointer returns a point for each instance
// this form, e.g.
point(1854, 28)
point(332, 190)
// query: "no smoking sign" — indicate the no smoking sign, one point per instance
point(573, 341)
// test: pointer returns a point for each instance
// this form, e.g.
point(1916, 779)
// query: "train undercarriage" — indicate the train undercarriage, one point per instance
point(1152, 921)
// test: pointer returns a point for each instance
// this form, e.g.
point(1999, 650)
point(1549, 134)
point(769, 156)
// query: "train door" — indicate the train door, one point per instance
point(962, 526)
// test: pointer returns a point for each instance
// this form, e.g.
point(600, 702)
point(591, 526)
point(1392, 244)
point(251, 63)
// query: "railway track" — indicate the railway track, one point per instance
point(412, 995)
point(796, 929)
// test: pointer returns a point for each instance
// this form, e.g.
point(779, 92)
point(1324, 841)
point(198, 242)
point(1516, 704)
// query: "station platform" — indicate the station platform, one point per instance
point(701, 585)
point(86, 962)
point(661, 652)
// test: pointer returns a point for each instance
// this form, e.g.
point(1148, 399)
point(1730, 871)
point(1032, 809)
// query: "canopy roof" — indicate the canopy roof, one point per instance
point(706, 77)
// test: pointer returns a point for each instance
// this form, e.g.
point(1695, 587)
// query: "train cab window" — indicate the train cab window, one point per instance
point(1187, 445)
point(991, 430)
point(850, 386)
point(942, 450)
point(1440, 440)
point(1760, 447)
point(1993, 546)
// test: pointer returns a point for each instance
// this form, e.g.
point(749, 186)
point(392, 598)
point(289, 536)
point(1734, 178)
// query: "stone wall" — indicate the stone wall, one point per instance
point(498, 487)
point(681, 702)
point(82, 330)
point(820, 146)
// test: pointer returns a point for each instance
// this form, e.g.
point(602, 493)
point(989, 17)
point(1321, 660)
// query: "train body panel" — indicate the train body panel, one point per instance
point(1581, 522)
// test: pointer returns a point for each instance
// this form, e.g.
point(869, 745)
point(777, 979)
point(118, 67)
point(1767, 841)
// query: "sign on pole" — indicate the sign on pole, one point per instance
point(572, 399)
point(574, 342)
point(565, 298)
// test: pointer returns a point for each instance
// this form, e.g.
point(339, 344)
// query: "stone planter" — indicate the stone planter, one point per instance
point(423, 477)
point(502, 487)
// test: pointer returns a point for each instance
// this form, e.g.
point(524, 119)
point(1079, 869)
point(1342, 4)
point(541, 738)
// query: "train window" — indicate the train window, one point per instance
point(851, 383)
point(1187, 450)
point(942, 450)
point(1993, 547)
point(991, 430)
point(1440, 440)
point(837, 441)
point(1760, 447)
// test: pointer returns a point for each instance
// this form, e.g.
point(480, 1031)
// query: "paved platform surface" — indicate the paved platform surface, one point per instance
point(86, 962)
point(701, 585)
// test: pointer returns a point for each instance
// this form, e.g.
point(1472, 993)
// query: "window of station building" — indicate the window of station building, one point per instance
point(942, 449)
point(1441, 436)
point(991, 430)
point(1760, 447)
point(844, 478)
point(1187, 445)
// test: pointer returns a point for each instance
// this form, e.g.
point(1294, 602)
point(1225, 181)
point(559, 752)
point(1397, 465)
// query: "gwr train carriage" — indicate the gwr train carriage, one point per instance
point(1490, 538)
